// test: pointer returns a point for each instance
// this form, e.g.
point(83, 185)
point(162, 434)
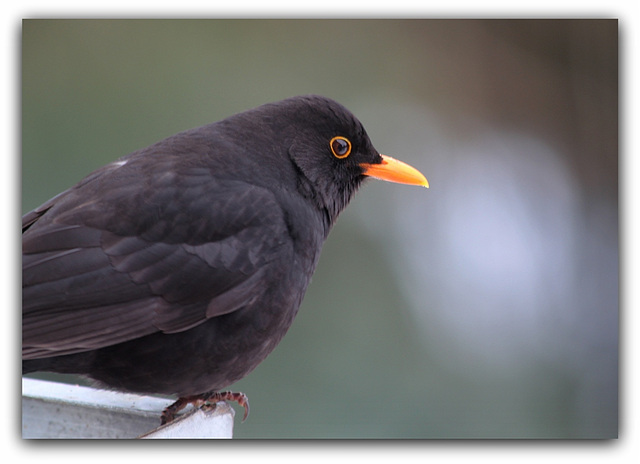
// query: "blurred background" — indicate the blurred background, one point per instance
point(484, 307)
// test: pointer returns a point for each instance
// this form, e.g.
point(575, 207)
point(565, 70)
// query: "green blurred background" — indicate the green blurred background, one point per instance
point(484, 307)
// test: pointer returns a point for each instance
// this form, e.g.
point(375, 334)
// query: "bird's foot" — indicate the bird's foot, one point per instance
point(205, 400)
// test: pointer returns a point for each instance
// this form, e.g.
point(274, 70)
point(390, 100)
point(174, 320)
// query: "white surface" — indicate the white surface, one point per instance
point(56, 410)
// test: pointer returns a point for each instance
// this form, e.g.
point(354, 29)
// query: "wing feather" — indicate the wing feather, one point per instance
point(91, 280)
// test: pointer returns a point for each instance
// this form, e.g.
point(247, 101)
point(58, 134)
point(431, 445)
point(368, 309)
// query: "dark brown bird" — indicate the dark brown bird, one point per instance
point(178, 268)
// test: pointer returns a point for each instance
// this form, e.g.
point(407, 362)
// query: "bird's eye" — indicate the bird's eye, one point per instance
point(340, 146)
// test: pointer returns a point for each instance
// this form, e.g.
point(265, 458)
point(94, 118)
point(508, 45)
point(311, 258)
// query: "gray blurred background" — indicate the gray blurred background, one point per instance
point(484, 307)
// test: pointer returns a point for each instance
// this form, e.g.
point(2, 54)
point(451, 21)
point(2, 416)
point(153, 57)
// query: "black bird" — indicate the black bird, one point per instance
point(178, 268)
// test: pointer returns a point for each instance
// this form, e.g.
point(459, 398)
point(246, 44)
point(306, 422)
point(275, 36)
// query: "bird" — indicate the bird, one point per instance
point(178, 268)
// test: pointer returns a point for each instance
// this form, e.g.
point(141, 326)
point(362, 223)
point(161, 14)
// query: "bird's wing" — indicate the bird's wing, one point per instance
point(103, 270)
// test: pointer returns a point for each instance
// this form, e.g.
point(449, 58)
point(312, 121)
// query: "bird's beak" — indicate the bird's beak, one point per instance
point(392, 170)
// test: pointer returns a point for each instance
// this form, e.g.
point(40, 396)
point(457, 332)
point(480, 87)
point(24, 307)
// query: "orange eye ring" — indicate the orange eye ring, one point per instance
point(340, 147)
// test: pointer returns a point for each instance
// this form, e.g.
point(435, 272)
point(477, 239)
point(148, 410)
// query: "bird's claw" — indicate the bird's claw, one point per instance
point(205, 400)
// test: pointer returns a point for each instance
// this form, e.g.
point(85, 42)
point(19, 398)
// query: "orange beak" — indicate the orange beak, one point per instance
point(392, 170)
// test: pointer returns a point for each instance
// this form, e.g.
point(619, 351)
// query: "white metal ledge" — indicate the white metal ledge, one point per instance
point(57, 410)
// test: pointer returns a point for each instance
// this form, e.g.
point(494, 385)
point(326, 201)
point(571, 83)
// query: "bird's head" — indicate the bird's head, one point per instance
point(332, 151)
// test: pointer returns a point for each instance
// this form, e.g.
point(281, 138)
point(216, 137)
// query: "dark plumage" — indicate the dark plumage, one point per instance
point(178, 268)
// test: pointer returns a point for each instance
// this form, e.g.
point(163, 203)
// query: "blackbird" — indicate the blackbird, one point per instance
point(178, 268)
